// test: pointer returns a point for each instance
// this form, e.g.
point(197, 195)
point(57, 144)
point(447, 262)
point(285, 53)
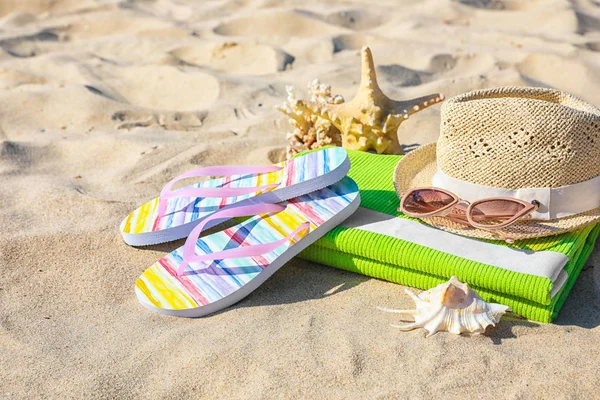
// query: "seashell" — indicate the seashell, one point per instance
point(453, 307)
point(369, 121)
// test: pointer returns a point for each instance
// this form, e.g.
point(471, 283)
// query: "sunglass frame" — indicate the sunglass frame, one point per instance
point(444, 211)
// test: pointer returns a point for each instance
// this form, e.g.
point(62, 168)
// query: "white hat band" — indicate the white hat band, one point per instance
point(555, 203)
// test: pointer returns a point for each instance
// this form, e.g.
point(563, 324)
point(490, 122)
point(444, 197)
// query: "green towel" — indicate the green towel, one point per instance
point(532, 276)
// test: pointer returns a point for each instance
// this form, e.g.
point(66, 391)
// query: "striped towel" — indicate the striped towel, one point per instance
point(533, 277)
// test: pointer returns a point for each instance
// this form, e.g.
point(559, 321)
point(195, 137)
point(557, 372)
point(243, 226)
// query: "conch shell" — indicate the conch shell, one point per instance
point(453, 307)
point(369, 121)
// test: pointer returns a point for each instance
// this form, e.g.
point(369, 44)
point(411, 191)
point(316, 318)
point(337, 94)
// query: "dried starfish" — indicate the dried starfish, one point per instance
point(371, 119)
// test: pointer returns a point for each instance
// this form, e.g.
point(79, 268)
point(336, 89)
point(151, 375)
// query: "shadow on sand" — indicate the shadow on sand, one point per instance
point(582, 307)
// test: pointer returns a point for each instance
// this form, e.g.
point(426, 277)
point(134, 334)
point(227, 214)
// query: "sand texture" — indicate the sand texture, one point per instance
point(103, 101)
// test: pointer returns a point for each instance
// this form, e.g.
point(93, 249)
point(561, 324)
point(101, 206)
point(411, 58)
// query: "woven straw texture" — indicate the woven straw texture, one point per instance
point(511, 137)
point(410, 264)
point(516, 137)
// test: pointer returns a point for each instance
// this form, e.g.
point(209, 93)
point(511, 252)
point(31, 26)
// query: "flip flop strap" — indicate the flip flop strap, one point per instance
point(189, 248)
point(166, 193)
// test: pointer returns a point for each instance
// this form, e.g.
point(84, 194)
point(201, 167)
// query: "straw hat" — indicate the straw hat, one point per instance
point(521, 142)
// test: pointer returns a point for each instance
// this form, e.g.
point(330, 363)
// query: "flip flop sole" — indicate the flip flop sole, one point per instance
point(206, 289)
point(301, 175)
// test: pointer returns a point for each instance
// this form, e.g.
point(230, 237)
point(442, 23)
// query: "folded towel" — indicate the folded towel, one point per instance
point(533, 277)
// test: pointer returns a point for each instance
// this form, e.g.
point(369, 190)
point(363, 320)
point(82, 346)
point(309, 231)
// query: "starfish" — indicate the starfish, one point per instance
point(371, 119)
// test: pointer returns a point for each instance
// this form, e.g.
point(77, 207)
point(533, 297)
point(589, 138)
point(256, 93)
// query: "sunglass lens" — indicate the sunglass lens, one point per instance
point(495, 212)
point(426, 201)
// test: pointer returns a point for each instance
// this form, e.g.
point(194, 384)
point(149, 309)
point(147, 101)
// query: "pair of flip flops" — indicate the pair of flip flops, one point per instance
point(292, 204)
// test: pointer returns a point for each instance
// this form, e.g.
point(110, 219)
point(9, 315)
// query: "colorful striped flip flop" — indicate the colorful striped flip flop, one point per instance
point(175, 213)
point(209, 274)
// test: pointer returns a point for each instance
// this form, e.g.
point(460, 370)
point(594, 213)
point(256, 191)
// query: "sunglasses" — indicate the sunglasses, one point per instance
point(489, 214)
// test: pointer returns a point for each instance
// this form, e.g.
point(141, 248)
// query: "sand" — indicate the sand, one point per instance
point(103, 101)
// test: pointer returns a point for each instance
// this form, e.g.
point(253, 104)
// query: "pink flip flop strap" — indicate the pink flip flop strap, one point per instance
point(230, 170)
point(189, 248)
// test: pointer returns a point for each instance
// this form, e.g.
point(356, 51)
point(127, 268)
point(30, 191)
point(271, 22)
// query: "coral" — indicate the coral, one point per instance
point(310, 131)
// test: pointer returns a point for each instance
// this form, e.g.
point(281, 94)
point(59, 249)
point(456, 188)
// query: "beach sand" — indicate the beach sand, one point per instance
point(102, 102)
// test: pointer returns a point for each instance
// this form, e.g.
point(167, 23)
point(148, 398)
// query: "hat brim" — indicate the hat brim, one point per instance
point(417, 169)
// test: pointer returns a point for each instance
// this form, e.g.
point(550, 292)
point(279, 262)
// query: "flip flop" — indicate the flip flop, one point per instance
point(175, 213)
point(209, 274)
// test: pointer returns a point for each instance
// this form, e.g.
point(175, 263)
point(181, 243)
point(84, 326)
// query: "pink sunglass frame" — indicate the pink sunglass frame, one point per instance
point(446, 210)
